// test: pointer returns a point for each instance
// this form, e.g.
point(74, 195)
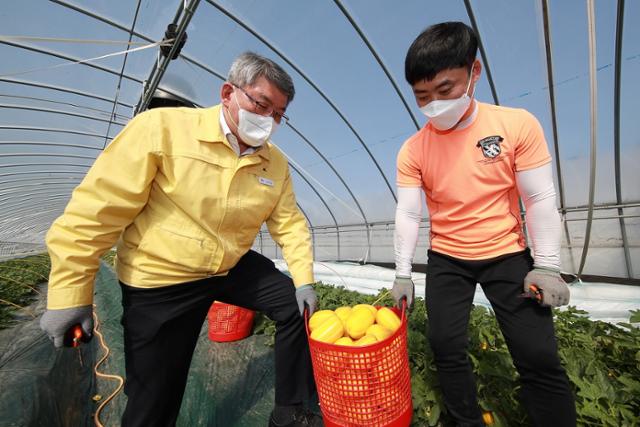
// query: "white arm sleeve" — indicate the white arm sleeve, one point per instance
point(405, 239)
point(543, 222)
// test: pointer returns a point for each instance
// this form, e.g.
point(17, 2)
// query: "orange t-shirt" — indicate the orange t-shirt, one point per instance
point(468, 176)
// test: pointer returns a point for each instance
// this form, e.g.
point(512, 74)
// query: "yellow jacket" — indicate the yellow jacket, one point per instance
point(189, 206)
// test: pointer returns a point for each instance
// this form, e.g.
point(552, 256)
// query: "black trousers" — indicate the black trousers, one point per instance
point(527, 329)
point(162, 325)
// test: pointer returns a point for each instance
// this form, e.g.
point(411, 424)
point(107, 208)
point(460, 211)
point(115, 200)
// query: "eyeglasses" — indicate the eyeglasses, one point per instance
point(264, 109)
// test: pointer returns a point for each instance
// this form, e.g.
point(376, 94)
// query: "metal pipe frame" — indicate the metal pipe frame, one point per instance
point(355, 200)
point(554, 120)
point(321, 199)
point(323, 157)
point(313, 236)
point(39, 186)
point(124, 64)
point(56, 111)
point(45, 217)
point(616, 133)
point(584, 208)
point(54, 207)
point(121, 27)
point(64, 89)
point(32, 179)
point(483, 54)
point(61, 103)
point(26, 232)
point(54, 130)
point(606, 217)
point(379, 60)
point(593, 111)
point(183, 17)
point(31, 173)
point(19, 165)
point(50, 144)
point(71, 156)
point(50, 52)
point(35, 202)
point(423, 221)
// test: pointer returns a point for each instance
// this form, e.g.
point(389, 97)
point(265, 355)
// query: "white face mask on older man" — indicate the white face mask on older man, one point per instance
point(254, 129)
point(444, 114)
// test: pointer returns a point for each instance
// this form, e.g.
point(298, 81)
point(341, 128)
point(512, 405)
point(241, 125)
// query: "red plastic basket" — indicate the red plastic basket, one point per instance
point(229, 322)
point(364, 386)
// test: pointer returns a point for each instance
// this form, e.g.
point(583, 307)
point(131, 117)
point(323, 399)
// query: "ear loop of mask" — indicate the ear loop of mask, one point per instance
point(229, 111)
point(469, 84)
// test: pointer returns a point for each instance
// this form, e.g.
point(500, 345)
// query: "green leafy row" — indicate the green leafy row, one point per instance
point(19, 282)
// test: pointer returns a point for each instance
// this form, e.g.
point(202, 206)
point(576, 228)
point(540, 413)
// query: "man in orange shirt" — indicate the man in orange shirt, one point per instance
point(473, 161)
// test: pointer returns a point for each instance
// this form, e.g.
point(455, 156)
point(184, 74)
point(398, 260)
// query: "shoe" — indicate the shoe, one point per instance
point(301, 417)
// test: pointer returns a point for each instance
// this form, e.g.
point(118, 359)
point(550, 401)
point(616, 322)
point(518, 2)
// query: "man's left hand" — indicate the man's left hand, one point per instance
point(306, 295)
point(553, 290)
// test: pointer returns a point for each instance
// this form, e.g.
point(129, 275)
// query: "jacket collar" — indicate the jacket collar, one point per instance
point(209, 130)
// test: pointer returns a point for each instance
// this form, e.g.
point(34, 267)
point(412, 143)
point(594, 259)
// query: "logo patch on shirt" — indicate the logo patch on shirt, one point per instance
point(490, 146)
point(265, 181)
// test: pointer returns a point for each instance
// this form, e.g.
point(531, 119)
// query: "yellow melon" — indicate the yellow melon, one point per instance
point(387, 318)
point(358, 322)
point(380, 332)
point(329, 331)
point(319, 317)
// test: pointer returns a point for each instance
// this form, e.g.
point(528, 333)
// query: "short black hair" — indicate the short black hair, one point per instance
point(440, 47)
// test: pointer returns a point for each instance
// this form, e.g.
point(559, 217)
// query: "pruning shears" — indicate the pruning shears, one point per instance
point(74, 337)
point(534, 292)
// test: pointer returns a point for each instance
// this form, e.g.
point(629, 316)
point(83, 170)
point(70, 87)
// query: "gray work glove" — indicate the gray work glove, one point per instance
point(547, 286)
point(403, 287)
point(306, 295)
point(56, 323)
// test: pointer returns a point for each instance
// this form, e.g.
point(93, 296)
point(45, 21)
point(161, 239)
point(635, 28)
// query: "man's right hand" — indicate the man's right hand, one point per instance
point(55, 323)
point(403, 287)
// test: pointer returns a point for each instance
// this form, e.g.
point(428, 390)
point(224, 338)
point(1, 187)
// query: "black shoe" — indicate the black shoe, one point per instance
point(300, 417)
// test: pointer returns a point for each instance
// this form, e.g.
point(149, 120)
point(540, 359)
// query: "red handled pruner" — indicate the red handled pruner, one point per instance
point(534, 292)
point(74, 337)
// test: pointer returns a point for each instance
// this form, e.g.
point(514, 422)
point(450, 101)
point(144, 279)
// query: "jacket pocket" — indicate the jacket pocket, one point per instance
point(161, 245)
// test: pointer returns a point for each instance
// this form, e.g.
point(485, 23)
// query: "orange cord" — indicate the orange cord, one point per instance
point(96, 417)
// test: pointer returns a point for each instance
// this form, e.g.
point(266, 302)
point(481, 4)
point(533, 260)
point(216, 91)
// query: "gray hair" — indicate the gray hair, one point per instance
point(250, 66)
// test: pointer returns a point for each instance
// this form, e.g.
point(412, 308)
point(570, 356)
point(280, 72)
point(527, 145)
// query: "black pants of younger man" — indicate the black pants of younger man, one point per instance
point(162, 326)
point(526, 326)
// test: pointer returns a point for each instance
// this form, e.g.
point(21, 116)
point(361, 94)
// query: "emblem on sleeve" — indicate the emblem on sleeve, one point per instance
point(490, 146)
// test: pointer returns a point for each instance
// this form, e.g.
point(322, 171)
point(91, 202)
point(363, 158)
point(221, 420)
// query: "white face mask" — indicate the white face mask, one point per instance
point(444, 114)
point(253, 129)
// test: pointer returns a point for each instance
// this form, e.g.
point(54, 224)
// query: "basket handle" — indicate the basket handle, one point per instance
point(306, 319)
point(404, 308)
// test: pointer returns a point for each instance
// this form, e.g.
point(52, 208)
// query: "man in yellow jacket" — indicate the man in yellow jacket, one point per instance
point(184, 192)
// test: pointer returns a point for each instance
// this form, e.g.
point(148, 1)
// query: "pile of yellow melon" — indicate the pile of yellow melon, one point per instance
point(360, 325)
